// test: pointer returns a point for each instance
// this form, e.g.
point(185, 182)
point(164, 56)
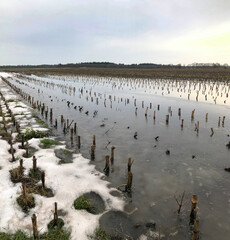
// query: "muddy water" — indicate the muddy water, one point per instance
point(196, 162)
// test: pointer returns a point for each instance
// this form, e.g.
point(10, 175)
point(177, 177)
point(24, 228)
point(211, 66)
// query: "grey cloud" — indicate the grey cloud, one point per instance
point(52, 25)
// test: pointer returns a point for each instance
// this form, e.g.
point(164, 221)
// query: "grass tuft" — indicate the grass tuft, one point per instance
point(55, 234)
point(35, 174)
point(47, 143)
point(82, 203)
point(19, 106)
point(10, 100)
point(19, 235)
point(26, 203)
point(42, 123)
point(31, 133)
point(100, 234)
point(59, 225)
point(16, 174)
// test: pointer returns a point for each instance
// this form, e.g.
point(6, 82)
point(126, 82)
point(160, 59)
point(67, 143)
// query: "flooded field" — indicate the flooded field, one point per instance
point(174, 131)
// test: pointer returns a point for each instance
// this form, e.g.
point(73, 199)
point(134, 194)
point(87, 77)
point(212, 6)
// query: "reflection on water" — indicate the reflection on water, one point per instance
point(106, 108)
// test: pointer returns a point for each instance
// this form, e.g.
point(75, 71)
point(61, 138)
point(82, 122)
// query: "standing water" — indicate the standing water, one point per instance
point(175, 133)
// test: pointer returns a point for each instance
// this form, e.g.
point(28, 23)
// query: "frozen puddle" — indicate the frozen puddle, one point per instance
point(67, 181)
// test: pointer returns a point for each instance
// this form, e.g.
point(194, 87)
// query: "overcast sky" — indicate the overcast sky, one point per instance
point(121, 31)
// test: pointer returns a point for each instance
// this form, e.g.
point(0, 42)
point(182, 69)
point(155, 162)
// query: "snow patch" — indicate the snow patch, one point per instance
point(67, 181)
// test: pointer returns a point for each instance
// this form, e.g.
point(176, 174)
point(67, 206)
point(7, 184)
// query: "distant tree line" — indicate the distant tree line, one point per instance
point(208, 65)
point(120, 65)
